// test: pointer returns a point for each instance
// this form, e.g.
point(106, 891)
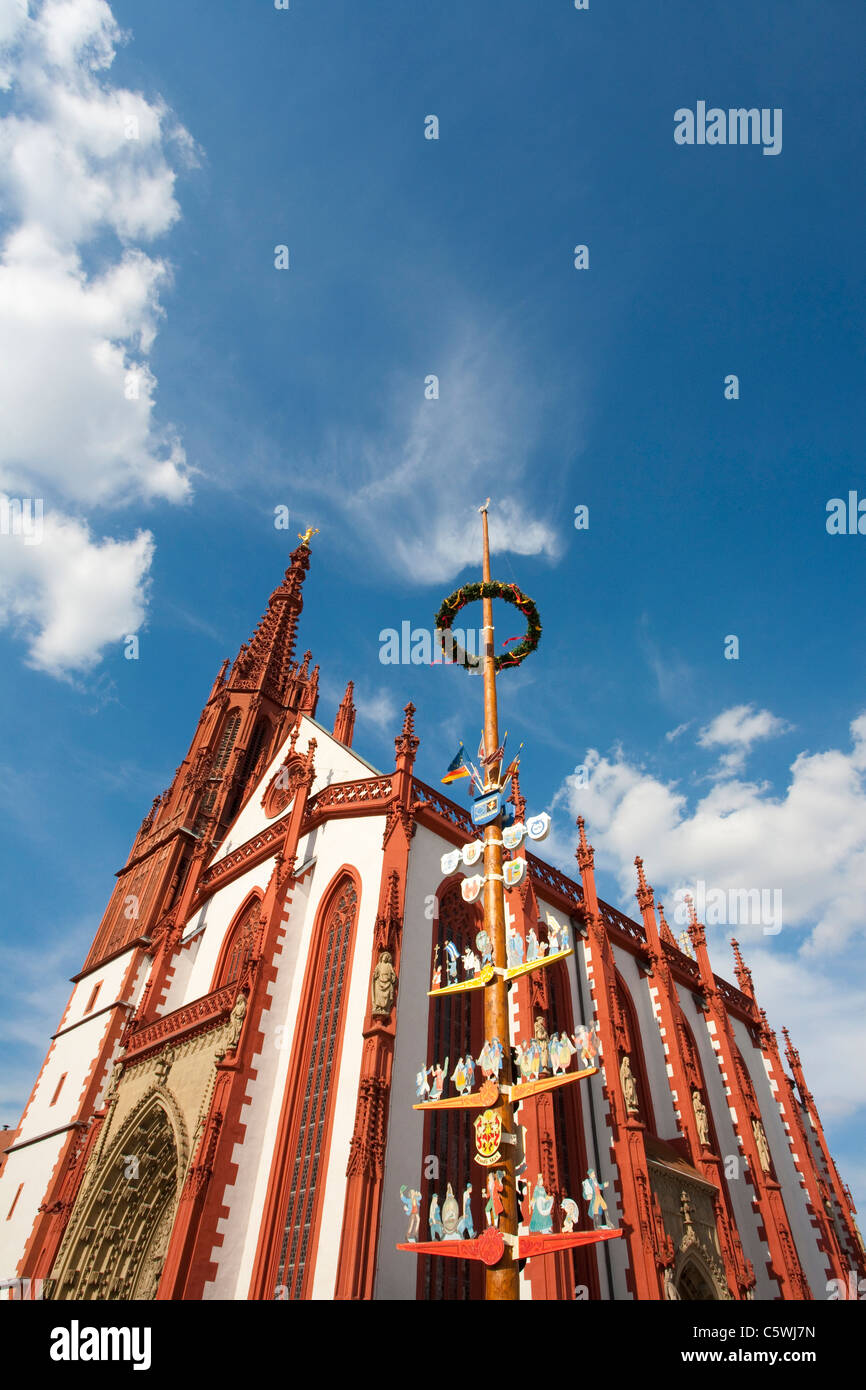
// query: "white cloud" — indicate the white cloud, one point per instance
point(737, 729)
point(84, 175)
point(675, 733)
point(379, 708)
point(416, 490)
point(809, 842)
point(71, 595)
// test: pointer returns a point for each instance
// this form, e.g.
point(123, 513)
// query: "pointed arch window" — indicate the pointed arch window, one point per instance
point(238, 946)
point(316, 1064)
point(221, 757)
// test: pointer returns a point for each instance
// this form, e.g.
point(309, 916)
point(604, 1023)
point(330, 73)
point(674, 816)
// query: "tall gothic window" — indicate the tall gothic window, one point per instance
point(318, 1043)
point(456, 1027)
point(221, 757)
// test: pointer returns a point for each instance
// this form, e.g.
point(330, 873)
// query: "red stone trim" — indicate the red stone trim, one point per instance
point(198, 1017)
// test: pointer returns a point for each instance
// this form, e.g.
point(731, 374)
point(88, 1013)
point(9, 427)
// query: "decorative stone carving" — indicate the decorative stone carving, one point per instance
point(383, 986)
point(671, 1291)
point(701, 1118)
point(688, 1220)
point(629, 1086)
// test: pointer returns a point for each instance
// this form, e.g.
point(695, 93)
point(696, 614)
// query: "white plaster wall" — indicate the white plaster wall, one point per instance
point(73, 1052)
point(334, 762)
point(197, 962)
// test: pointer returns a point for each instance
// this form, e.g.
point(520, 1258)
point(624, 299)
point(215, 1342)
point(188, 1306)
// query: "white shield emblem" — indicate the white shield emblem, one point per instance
point(471, 887)
point(513, 834)
point(450, 861)
point(472, 852)
point(538, 827)
point(513, 871)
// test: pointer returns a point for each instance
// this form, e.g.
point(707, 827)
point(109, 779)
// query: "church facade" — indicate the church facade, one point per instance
point(226, 1108)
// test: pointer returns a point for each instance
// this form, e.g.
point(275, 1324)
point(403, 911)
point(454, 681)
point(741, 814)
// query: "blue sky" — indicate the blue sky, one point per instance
point(558, 387)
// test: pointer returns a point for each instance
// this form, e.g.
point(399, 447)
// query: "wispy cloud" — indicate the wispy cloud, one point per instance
point(417, 484)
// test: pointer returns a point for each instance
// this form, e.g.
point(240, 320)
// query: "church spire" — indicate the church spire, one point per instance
point(266, 662)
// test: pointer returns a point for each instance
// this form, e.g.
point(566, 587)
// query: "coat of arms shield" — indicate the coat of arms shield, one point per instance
point(488, 1133)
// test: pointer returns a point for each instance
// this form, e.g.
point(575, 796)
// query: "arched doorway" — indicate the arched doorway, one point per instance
point(119, 1232)
point(695, 1284)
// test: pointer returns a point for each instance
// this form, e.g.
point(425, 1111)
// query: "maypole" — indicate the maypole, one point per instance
point(501, 1282)
point(503, 956)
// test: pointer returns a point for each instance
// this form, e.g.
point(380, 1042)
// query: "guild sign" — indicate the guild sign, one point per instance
point(472, 852)
point(538, 827)
point(488, 1134)
point(471, 887)
point(450, 861)
point(513, 834)
point(513, 871)
point(486, 808)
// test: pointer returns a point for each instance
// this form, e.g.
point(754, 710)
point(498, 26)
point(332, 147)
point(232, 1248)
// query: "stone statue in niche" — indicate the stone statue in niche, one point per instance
point(701, 1118)
point(671, 1291)
point(543, 1040)
point(235, 1024)
point(629, 1085)
point(111, 1089)
point(384, 983)
point(761, 1145)
point(164, 1065)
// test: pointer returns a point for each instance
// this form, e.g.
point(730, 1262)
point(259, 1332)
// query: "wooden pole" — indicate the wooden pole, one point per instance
point(502, 1281)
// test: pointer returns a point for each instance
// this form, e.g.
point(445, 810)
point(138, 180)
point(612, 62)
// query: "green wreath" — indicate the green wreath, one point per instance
point(470, 593)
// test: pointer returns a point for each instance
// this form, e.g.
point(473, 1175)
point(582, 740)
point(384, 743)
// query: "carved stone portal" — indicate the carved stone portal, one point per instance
point(116, 1241)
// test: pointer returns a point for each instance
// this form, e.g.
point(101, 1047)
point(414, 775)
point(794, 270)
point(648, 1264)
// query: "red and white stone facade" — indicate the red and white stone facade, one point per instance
point(275, 870)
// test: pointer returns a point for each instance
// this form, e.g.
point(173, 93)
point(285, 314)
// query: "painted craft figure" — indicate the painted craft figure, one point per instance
point(437, 971)
point(570, 1214)
point(541, 1221)
point(411, 1201)
point(588, 1045)
point(466, 1228)
point(452, 956)
point(490, 1059)
point(471, 964)
point(593, 1194)
point(533, 948)
point(439, 1073)
point(450, 1216)
point(494, 1206)
point(562, 1049)
point(557, 936)
point(528, 1059)
point(422, 1085)
point(469, 1064)
point(434, 1220)
point(485, 946)
point(515, 948)
point(460, 1076)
